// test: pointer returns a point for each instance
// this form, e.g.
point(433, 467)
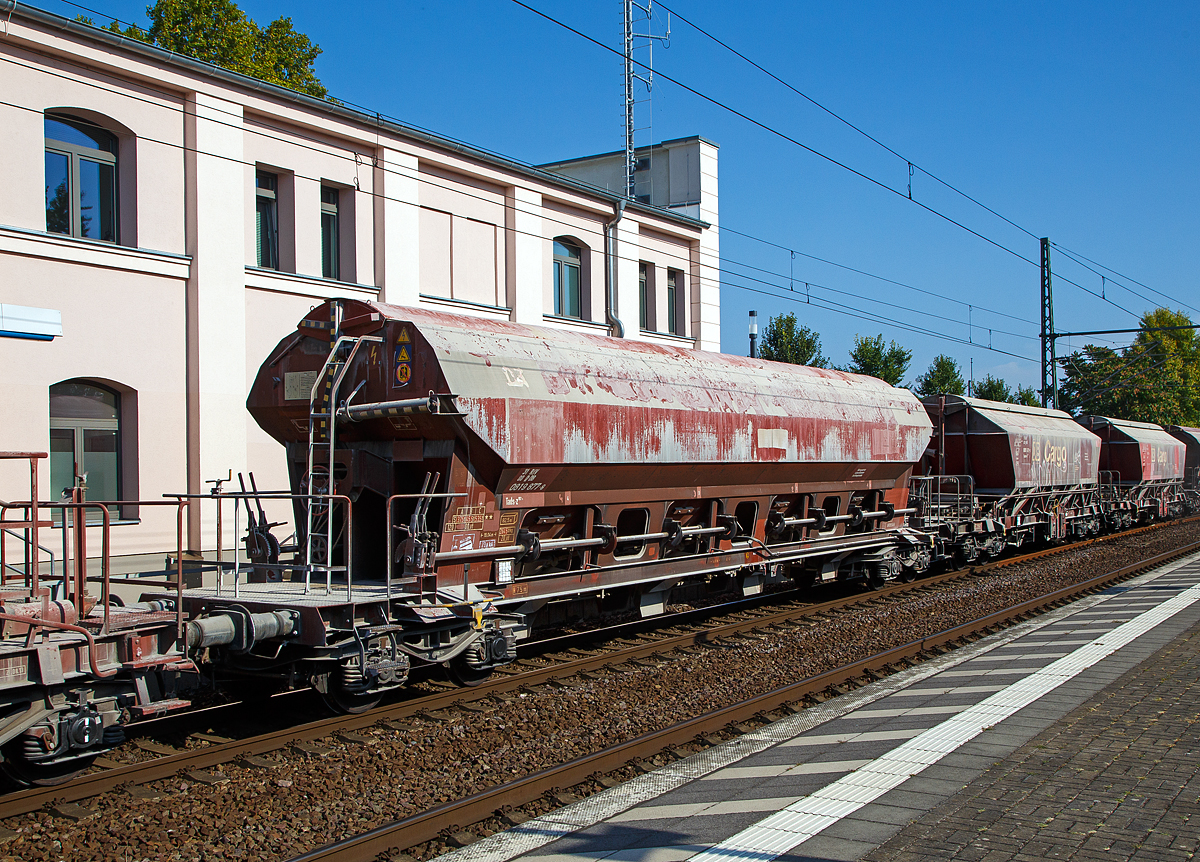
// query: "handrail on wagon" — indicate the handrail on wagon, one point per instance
point(17, 535)
point(74, 561)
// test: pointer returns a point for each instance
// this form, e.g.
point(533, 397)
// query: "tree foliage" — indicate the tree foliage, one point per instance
point(218, 32)
point(784, 341)
point(1026, 395)
point(992, 389)
point(871, 356)
point(1154, 379)
point(943, 378)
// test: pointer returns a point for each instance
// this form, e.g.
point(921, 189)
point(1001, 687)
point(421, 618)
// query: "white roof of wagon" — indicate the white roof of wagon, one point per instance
point(1022, 419)
point(566, 396)
point(1140, 432)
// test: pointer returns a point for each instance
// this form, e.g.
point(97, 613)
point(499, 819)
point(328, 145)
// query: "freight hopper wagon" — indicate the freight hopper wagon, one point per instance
point(1141, 470)
point(1190, 438)
point(999, 474)
point(499, 477)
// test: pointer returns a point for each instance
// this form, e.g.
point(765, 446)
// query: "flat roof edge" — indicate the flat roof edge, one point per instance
point(618, 153)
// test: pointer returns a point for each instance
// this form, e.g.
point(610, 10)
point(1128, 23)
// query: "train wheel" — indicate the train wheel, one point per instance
point(20, 772)
point(343, 702)
point(967, 551)
point(914, 564)
point(878, 574)
point(462, 672)
point(347, 692)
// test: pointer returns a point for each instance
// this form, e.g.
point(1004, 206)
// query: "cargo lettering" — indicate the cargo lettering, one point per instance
point(1055, 456)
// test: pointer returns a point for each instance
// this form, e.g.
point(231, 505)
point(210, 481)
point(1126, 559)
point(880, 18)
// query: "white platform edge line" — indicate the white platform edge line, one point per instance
point(848, 796)
point(543, 830)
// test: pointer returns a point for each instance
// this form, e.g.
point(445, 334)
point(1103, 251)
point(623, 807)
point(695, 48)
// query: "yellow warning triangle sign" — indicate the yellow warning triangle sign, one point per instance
point(403, 357)
point(403, 339)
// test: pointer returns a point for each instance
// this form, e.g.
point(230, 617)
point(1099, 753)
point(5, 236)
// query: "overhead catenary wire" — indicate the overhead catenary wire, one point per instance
point(323, 150)
point(820, 286)
point(1122, 275)
point(1128, 358)
point(1097, 391)
point(731, 230)
point(1084, 262)
point(774, 131)
point(908, 161)
point(850, 311)
point(911, 164)
point(326, 151)
point(783, 135)
point(892, 281)
point(780, 134)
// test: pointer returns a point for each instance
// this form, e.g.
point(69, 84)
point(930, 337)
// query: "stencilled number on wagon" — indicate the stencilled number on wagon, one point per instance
point(527, 481)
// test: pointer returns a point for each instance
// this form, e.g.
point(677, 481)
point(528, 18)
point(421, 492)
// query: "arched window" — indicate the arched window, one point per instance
point(81, 178)
point(568, 292)
point(85, 436)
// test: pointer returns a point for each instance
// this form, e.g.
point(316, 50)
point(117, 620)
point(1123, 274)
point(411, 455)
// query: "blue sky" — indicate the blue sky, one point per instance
point(1077, 121)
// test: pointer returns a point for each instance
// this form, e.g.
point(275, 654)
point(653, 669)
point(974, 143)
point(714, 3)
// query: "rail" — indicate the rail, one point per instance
point(431, 824)
point(96, 783)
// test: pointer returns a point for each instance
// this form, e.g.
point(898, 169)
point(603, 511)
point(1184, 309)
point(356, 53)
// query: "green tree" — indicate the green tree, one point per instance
point(871, 356)
point(784, 341)
point(1026, 395)
point(993, 389)
point(218, 32)
point(942, 378)
point(1154, 379)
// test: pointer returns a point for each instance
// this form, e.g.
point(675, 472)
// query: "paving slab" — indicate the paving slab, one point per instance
point(1091, 761)
point(927, 749)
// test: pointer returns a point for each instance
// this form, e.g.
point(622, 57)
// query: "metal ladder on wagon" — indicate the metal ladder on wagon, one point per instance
point(322, 447)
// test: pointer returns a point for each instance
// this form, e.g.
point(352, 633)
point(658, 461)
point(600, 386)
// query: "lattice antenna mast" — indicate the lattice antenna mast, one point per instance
point(643, 73)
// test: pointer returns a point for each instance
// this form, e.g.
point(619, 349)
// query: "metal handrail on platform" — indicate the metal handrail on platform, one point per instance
point(307, 567)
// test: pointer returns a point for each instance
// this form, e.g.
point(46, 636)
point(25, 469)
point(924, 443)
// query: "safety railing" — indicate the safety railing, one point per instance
point(943, 499)
point(75, 525)
point(299, 563)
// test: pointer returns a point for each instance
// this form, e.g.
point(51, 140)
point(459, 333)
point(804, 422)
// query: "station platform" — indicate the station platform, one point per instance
point(1071, 736)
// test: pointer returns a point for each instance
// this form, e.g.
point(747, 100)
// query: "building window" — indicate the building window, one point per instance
point(674, 282)
point(644, 313)
point(330, 234)
point(567, 289)
point(266, 228)
point(85, 437)
point(81, 179)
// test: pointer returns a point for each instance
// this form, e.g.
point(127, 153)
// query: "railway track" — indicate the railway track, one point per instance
point(624, 645)
point(665, 744)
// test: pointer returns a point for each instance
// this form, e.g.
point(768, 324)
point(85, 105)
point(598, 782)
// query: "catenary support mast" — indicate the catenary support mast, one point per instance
point(1049, 360)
